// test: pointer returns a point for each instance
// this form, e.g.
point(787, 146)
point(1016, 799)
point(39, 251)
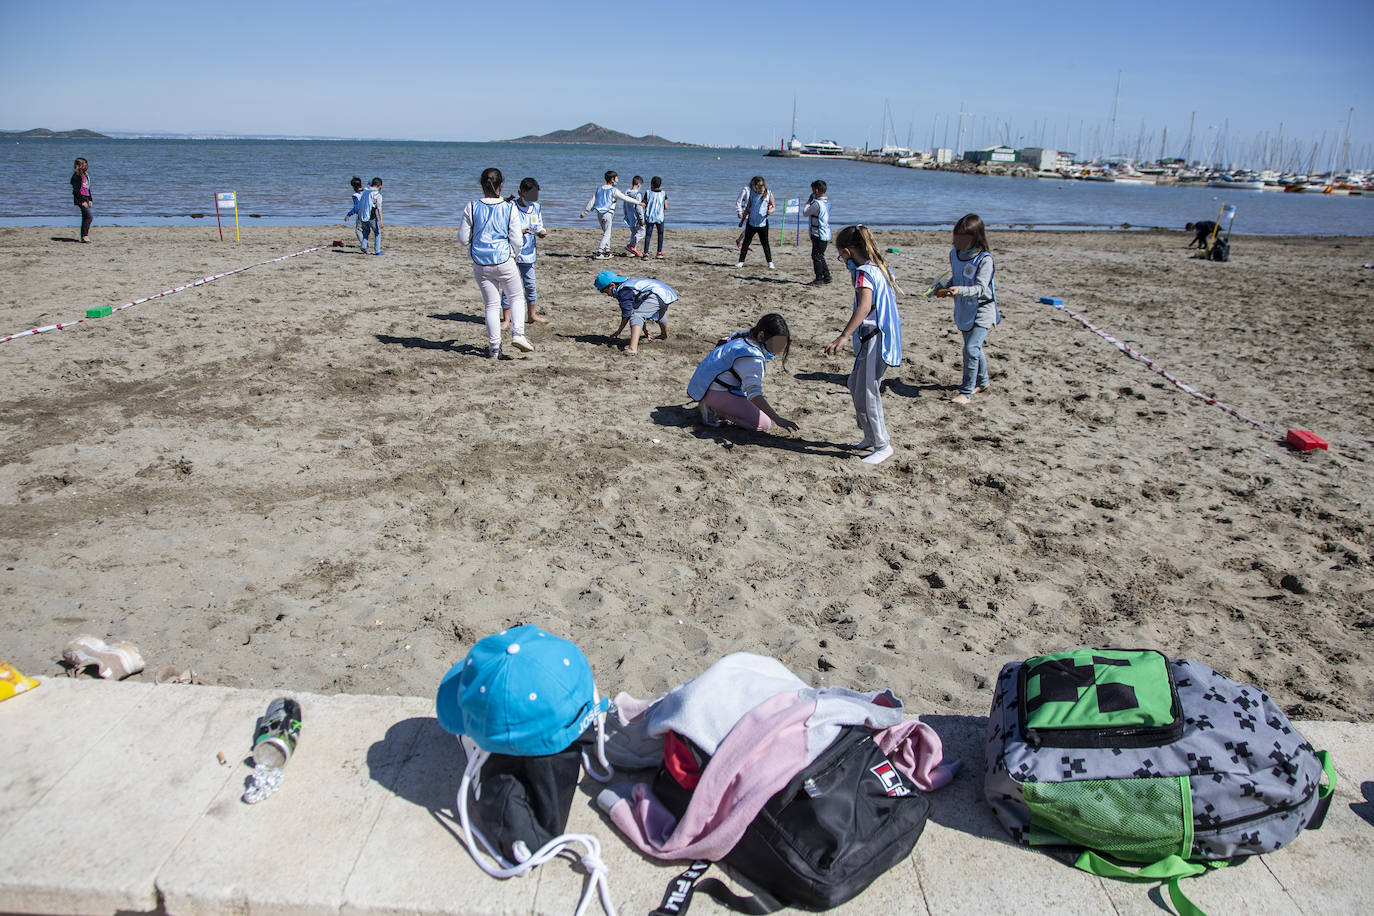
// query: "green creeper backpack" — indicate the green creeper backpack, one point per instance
point(1127, 756)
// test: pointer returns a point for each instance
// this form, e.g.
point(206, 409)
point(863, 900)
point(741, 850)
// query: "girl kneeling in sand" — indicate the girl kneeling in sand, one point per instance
point(975, 300)
point(728, 384)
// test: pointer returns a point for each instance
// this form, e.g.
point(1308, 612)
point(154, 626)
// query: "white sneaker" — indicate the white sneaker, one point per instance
point(879, 456)
point(493, 352)
point(708, 416)
point(739, 263)
point(522, 344)
point(770, 266)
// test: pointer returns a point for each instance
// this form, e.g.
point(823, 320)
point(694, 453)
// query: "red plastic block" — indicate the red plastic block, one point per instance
point(1304, 440)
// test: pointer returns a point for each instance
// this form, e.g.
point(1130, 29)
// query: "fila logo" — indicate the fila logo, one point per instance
point(892, 780)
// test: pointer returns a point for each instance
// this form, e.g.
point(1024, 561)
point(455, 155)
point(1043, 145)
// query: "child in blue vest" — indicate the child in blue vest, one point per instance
point(634, 215)
point(817, 209)
point(754, 204)
point(641, 299)
point(494, 232)
point(603, 202)
point(875, 330)
point(655, 206)
point(532, 219)
point(370, 212)
point(728, 383)
point(975, 300)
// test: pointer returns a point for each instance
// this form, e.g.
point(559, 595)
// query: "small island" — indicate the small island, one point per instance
point(42, 133)
point(596, 134)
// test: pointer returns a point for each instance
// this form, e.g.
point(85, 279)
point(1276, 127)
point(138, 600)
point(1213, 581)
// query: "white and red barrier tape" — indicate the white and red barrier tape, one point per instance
point(166, 292)
point(1137, 355)
point(1178, 383)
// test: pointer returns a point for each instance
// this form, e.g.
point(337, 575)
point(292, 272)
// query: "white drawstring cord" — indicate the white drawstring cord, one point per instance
point(604, 775)
point(591, 858)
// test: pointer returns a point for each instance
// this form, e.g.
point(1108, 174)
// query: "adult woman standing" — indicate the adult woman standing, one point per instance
point(81, 196)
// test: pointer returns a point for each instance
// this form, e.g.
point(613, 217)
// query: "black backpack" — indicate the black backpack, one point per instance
point(828, 834)
point(1220, 250)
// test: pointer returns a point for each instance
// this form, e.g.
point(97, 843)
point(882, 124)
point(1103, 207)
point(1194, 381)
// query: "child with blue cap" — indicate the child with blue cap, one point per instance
point(641, 299)
point(521, 701)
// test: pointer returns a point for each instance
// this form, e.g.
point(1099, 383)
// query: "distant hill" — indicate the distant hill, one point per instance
point(595, 133)
point(44, 134)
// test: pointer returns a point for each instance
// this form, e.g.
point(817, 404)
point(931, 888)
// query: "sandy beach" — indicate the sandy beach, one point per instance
point(305, 476)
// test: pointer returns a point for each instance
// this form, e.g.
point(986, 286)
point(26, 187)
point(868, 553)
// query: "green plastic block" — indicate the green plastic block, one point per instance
point(100, 312)
point(894, 251)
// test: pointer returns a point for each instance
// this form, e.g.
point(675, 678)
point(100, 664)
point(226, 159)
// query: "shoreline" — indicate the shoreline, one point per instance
point(305, 476)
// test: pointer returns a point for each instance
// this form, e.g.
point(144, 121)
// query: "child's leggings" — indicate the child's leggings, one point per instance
point(762, 233)
point(605, 219)
point(739, 411)
point(494, 281)
point(649, 235)
point(634, 235)
point(865, 380)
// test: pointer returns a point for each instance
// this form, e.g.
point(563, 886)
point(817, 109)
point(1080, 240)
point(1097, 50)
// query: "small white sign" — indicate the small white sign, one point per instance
point(793, 205)
point(225, 200)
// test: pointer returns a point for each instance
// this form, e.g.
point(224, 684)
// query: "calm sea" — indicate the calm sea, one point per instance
point(291, 182)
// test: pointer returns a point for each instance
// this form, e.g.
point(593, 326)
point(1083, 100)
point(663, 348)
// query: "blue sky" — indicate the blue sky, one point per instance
point(705, 72)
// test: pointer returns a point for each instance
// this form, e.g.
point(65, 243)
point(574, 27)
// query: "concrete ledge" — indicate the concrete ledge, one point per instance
point(113, 800)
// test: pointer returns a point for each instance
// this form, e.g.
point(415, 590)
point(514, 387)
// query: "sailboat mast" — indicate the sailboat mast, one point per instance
point(1188, 147)
point(1115, 102)
point(1345, 146)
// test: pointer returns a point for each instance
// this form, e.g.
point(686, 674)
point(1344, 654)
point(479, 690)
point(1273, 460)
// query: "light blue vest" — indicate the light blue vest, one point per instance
point(641, 287)
point(820, 222)
point(885, 315)
point(969, 311)
point(653, 206)
point(490, 232)
point(364, 205)
point(531, 217)
point(631, 212)
point(758, 208)
point(719, 366)
point(605, 200)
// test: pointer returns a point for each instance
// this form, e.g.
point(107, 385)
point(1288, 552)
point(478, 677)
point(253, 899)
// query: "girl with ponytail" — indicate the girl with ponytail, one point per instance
point(875, 331)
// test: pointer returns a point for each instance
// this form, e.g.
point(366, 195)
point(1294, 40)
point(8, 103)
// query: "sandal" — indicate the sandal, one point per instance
point(171, 674)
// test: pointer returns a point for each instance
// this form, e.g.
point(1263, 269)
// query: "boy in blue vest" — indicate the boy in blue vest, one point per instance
point(532, 219)
point(603, 202)
point(361, 228)
point(634, 215)
point(641, 300)
point(370, 217)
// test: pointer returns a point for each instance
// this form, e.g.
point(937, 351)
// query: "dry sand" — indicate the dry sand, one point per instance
point(304, 476)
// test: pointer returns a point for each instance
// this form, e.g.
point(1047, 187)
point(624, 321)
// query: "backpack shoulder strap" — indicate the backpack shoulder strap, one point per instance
point(678, 897)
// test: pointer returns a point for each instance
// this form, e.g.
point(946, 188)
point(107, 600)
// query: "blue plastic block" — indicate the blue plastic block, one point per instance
point(1051, 300)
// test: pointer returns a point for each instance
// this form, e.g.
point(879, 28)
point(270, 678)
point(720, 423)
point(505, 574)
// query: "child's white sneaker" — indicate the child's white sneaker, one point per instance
point(879, 456)
point(770, 266)
point(739, 263)
point(522, 344)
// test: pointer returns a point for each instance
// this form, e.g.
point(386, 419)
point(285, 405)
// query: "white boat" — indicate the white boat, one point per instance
point(822, 148)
